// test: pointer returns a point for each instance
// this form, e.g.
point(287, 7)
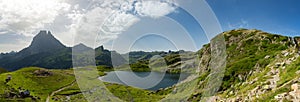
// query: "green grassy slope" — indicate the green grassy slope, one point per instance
point(259, 66)
point(39, 86)
point(2, 70)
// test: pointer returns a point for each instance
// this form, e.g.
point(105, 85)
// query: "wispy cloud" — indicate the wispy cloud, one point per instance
point(74, 18)
point(154, 9)
point(240, 24)
point(26, 16)
point(111, 17)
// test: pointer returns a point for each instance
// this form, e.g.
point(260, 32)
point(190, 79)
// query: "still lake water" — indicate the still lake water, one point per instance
point(143, 80)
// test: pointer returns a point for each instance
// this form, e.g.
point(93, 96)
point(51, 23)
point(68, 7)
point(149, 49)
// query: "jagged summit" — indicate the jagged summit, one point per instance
point(45, 41)
point(44, 33)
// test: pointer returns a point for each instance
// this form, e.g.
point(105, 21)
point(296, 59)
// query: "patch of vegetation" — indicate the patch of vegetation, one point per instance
point(269, 97)
point(125, 93)
point(131, 94)
point(72, 94)
point(39, 86)
point(245, 54)
point(236, 33)
point(174, 71)
point(172, 59)
point(140, 66)
point(2, 70)
point(289, 72)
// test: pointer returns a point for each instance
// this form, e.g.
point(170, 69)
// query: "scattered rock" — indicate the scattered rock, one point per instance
point(280, 96)
point(231, 93)
point(277, 65)
point(267, 57)
point(285, 53)
point(8, 78)
point(288, 61)
point(272, 72)
point(253, 81)
point(298, 72)
point(42, 72)
point(294, 87)
point(240, 77)
point(239, 99)
point(266, 87)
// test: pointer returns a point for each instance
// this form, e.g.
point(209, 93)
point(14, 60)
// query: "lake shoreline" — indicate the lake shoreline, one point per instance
point(167, 80)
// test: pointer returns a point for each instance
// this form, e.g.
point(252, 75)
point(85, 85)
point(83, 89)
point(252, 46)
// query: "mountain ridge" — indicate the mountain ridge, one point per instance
point(44, 51)
point(48, 52)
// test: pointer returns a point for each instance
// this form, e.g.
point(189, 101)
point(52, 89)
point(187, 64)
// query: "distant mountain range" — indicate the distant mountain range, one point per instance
point(47, 52)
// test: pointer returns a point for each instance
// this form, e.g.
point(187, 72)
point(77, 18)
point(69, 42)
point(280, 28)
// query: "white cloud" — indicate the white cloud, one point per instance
point(10, 47)
point(154, 9)
point(119, 22)
point(3, 32)
point(110, 18)
point(27, 16)
point(10, 41)
point(103, 22)
point(106, 19)
point(88, 27)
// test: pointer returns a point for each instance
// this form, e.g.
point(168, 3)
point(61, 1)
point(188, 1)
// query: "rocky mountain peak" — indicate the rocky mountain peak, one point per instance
point(44, 41)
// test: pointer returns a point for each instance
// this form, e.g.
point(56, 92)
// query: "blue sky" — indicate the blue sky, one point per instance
point(276, 16)
point(142, 28)
point(279, 17)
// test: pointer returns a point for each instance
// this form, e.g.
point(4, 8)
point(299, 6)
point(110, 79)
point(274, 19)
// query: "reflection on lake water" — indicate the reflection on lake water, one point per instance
point(144, 80)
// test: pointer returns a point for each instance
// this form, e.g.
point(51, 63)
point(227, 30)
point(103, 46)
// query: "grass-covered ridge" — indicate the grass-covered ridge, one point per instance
point(248, 50)
point(260, 66)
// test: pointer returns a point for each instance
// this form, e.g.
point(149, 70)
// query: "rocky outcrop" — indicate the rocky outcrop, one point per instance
point(293, 95)
point(297, 42)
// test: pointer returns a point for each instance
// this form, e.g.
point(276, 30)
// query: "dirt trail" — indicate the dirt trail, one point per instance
point(63, 88)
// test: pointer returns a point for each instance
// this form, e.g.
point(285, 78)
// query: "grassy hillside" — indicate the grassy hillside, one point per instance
point(60, 86)
point(259, 67)
point(2, 70)
point(40, 84)
point(247, 49)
